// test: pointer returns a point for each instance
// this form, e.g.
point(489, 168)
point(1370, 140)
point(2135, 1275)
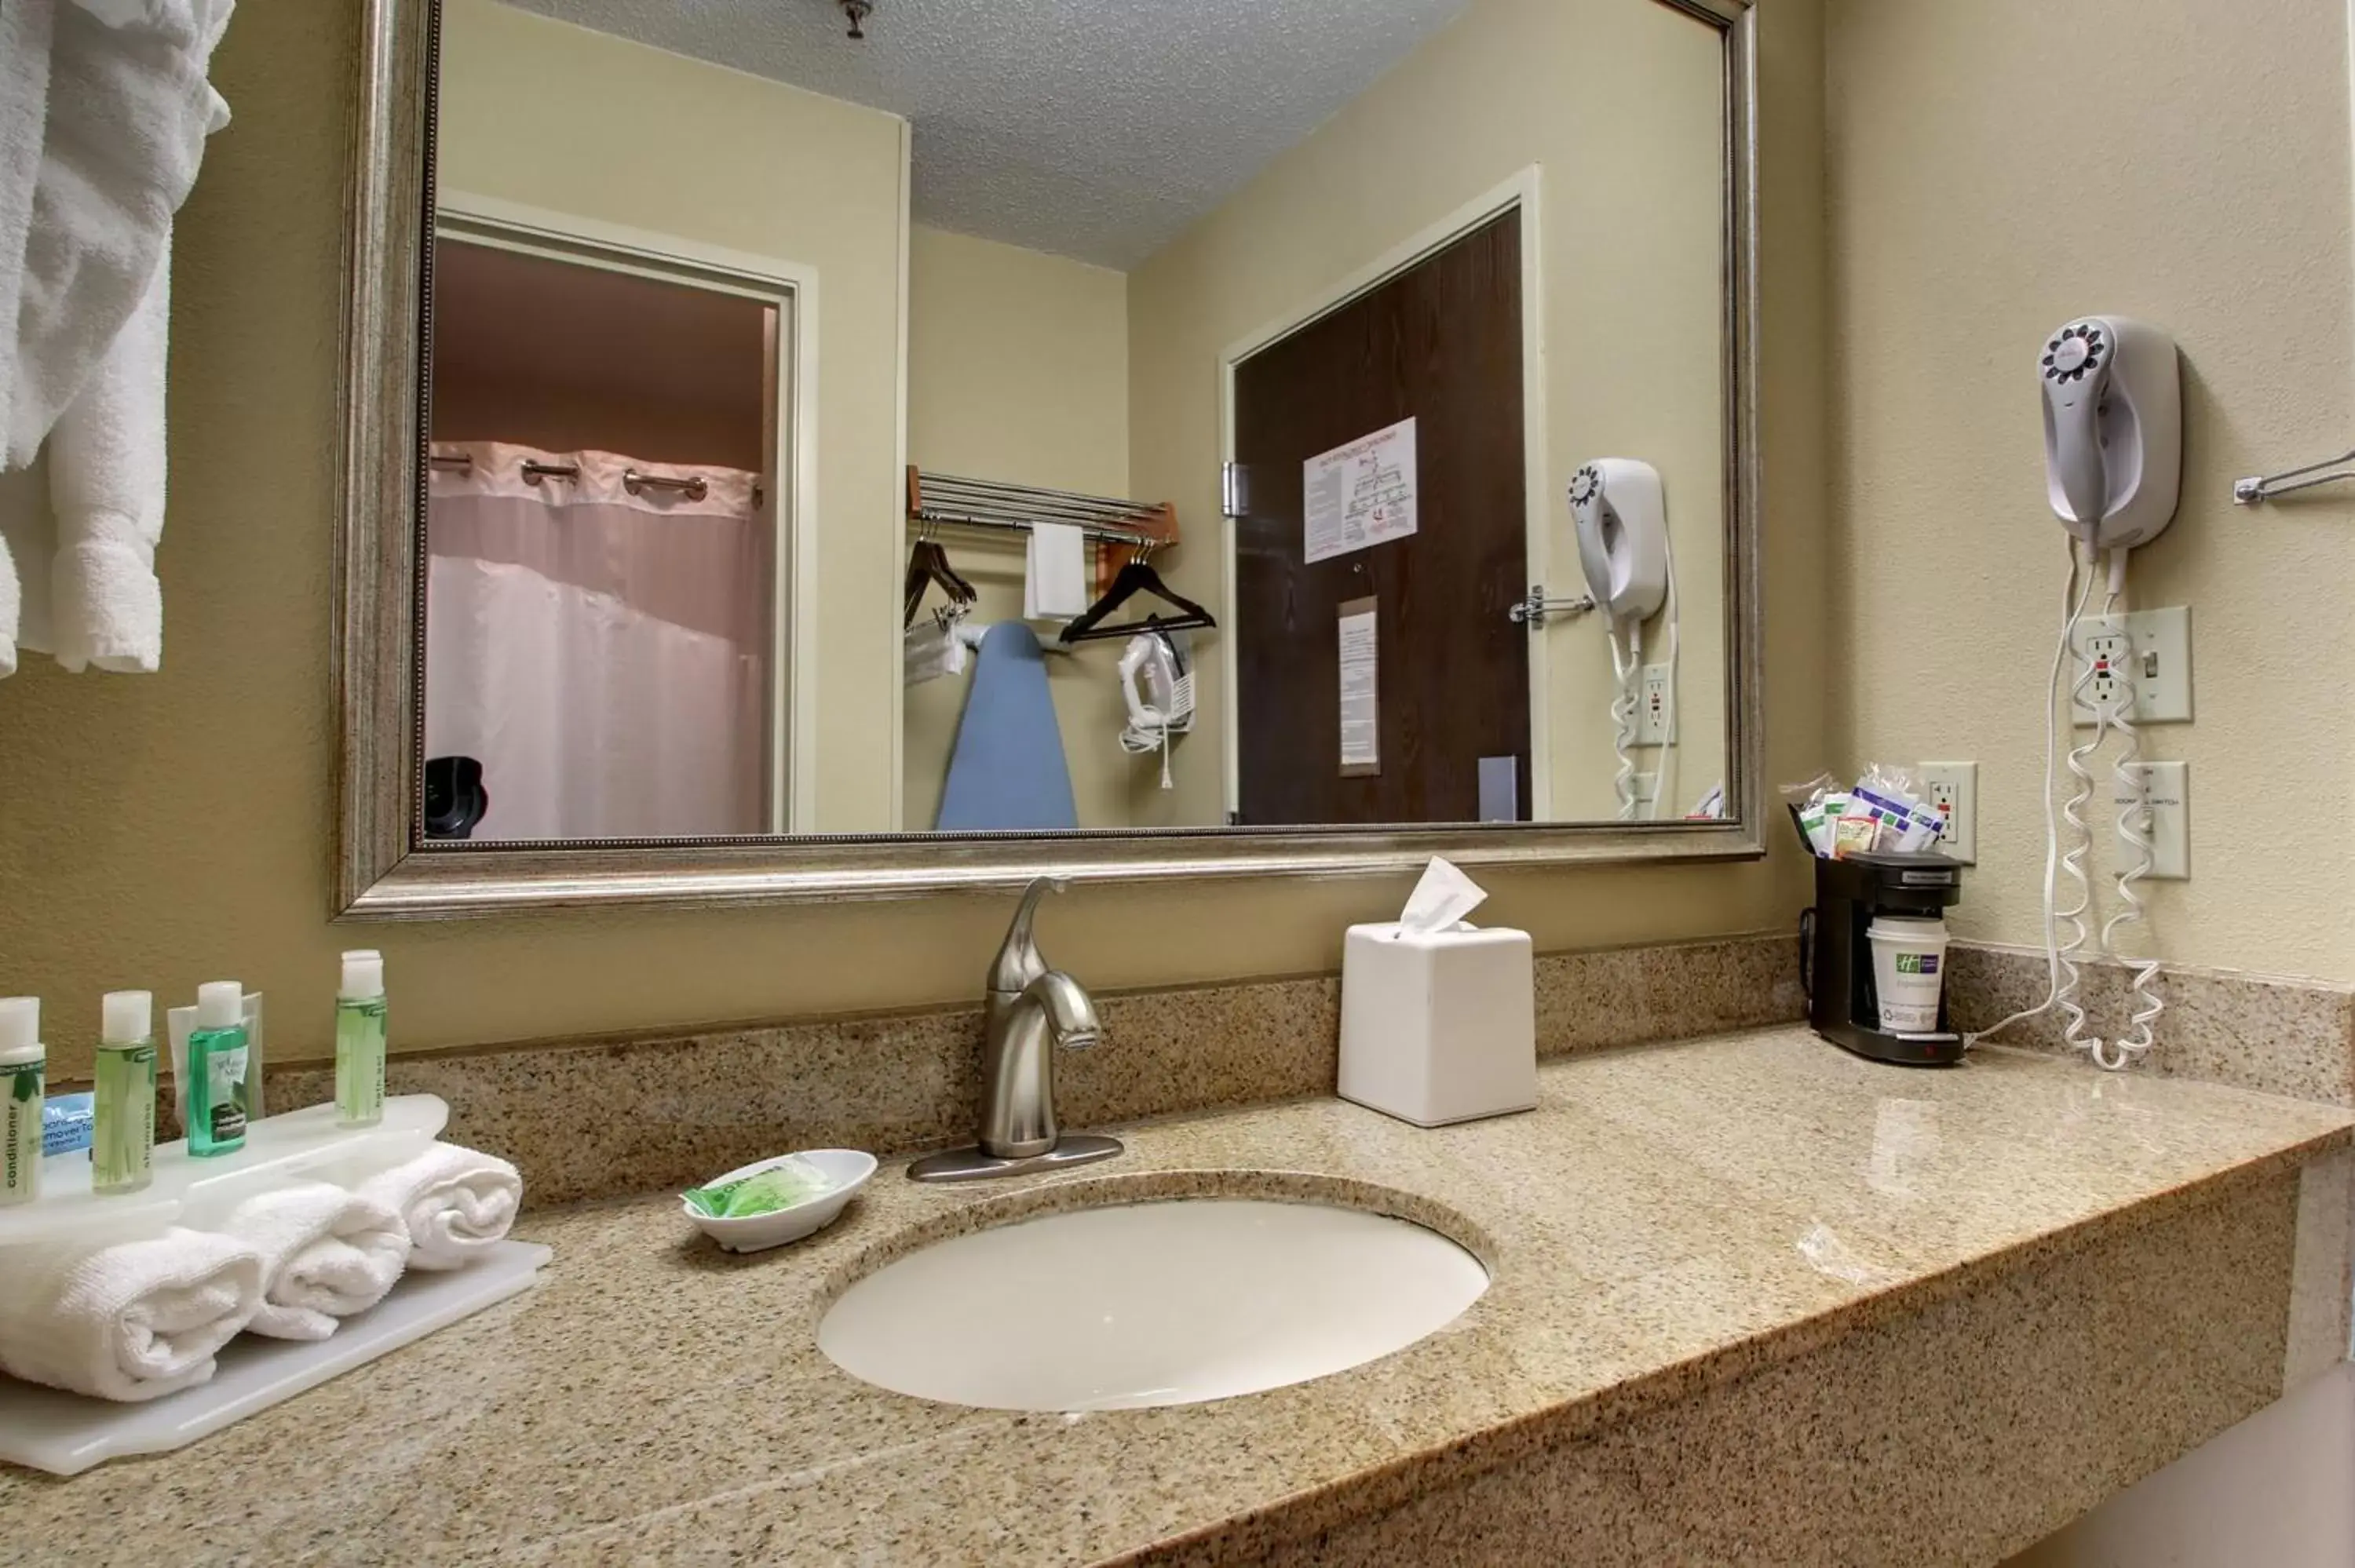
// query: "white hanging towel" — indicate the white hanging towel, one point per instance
point(1054, 572)
point(82, 522)
point(128, 112)
point(24, 29)
point(82, 345)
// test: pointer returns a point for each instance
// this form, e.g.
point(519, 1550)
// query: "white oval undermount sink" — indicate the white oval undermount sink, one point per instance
point(1165, 1302)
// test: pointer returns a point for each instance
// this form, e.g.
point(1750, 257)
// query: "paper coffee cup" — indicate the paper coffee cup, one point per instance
point(1908, 962)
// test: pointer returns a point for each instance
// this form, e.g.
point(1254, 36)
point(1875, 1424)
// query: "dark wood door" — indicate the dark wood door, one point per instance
point(1439, 344)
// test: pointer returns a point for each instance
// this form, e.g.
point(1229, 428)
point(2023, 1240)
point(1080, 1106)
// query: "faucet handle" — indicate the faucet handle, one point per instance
point(1018, 961)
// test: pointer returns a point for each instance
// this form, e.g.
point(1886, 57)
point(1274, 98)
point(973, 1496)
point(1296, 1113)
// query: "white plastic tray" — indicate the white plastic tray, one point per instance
point(199, 1192)
point(66, 1434)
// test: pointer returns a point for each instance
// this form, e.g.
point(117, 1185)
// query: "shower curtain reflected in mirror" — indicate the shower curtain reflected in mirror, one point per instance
point(601, 653)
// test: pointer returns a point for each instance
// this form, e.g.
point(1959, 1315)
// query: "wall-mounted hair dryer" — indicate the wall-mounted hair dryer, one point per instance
point(1623, 537)
point(2113, 429)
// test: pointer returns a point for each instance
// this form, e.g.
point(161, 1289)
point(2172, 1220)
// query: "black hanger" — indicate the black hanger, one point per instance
point(953, 579)
point(928, 564)
point(1136, 576)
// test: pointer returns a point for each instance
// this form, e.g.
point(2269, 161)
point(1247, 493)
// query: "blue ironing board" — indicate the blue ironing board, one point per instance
point(1007, 773)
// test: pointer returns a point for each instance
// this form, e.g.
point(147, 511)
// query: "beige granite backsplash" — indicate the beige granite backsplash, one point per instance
point(2278, 1036)
point(600, 1117)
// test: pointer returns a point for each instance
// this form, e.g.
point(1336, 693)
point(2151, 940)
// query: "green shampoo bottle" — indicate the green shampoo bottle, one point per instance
point(122, 1129)
point(359, 1041)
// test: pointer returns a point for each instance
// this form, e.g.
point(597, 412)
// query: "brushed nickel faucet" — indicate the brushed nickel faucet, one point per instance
point(1030, 1013)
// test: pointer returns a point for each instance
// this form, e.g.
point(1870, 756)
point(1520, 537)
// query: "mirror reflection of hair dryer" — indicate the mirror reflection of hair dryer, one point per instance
point(1619, 510)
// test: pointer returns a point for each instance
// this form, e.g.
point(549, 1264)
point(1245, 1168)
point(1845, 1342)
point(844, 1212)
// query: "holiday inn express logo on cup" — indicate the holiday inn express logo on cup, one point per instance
point(1917, 963)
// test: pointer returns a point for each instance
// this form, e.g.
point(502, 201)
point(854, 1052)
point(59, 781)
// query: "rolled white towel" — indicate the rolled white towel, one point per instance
point(457, 1203)
point(133, 1321)
point(326, 1254)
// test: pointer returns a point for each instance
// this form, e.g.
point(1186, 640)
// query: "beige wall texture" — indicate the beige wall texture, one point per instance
point(1618, 105)
point(164, 830)
point(1996, 169)
point(580, 122)
point(1017, 370)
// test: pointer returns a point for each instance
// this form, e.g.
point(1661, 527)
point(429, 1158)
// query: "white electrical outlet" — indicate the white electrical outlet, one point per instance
point(2153, 648)
point(1953, 788)
point(2161, 791)
point(1656, 706)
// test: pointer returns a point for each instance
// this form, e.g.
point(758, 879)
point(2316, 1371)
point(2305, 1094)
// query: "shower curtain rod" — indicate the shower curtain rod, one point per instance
point(694, 486)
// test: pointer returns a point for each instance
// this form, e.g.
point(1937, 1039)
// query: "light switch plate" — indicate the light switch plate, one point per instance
point(2155, 646)
point(1656, 706)
point(1953, 788)
point(2166, 795)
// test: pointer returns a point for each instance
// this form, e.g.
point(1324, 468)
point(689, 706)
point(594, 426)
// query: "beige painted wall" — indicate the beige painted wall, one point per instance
point(164, 830)
point(561, 117)
point(1017, 370)
point(1995, 169)
point(1617, 102)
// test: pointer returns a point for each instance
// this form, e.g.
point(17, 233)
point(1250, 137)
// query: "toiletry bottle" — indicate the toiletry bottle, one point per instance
point(123, 1140)
point(216, 1062)
point(359, 1041)
point(22, 1063)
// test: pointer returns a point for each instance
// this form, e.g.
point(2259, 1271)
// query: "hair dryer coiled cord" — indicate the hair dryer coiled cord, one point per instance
point(2081, 834)
point(1625, 664)
point(2134, 830)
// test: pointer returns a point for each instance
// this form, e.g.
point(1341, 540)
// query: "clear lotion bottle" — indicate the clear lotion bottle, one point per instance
point(122, 1132)
point(23, 1061)
point(359, 1041)
point(217, 1097)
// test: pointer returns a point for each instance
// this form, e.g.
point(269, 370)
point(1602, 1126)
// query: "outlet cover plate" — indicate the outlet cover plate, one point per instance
point(2166, 795)
point(2155, 645)
point(1953, 788)
point(1656, 709)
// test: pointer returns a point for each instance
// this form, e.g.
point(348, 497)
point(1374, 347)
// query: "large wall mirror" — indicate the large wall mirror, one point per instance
point(807, 447)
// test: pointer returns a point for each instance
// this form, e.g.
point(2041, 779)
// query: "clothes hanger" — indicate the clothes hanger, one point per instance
point(949, 577)
point(1135, 577)
point(928, 563)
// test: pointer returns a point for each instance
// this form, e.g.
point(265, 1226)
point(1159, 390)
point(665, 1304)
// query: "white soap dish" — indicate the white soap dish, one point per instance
point(846, 1171)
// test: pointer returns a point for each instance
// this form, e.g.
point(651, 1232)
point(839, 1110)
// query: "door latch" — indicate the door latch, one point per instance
point(1533, 608)
point(1234, 489)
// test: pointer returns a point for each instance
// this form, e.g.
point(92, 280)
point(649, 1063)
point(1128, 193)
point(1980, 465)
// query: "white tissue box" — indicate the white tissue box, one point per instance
point(1438, 1027)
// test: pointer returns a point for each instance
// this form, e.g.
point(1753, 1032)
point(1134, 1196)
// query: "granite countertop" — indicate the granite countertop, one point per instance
point(1668, 1218)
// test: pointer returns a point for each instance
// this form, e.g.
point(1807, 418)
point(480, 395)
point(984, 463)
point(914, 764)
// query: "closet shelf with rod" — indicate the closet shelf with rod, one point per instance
point(1125, 528)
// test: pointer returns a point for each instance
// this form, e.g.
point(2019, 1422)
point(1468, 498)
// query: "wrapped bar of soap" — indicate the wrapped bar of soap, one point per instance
point(781, 1186)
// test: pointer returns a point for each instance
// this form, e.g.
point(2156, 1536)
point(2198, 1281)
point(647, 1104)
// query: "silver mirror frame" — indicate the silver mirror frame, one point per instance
point(385, 871)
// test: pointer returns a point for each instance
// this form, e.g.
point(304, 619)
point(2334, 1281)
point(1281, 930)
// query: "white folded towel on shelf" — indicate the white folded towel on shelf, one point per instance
point(133, 1321)
point(327, 1255)
point(1054, 572)
point(456, 1203)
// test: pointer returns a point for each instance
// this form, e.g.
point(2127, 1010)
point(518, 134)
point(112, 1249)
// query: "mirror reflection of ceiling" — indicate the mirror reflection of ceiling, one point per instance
point(1093, 128)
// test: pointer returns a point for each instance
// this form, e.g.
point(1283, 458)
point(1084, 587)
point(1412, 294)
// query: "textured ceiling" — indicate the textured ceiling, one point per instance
point(1098, 129)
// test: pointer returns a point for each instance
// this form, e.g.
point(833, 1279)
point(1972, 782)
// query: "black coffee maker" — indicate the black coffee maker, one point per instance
point(1835, 957)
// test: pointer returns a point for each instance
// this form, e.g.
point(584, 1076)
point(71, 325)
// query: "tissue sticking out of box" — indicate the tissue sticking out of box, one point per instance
point(1440, 900)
